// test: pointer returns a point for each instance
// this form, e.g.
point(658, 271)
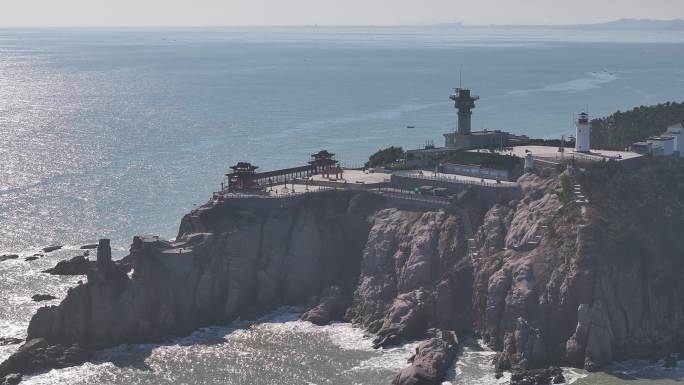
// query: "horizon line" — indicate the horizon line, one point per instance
point(315, 25)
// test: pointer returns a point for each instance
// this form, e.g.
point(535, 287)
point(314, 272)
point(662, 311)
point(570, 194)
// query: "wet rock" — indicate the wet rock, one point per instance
point(89, 246)
point(43, 297)
point(49, 249)
point(544, 376)
point(37, 354)
point(31, 258)
point(77, 265)
point(329, 308)
point(8, 256)
point(10, 341)
point(432, 359)
point(11, 379)
point(523, 348)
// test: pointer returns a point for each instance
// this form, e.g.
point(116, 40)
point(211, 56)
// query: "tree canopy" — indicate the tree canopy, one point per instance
point(385, 157)
point(621, 129)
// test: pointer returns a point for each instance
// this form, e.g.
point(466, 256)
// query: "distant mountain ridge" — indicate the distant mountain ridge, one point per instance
point(641, 24)
point(624, 24)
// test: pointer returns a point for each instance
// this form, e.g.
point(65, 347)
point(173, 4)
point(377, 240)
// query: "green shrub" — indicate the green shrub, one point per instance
point(386, 157)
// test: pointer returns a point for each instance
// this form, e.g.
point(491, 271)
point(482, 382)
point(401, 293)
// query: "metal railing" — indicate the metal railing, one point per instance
point(353, 166)
point(410, 195)
point(453, 179)
point(276, 195)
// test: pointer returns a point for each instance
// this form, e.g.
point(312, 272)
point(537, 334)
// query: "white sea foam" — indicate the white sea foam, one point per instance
point(572, 374)
point(590, 81)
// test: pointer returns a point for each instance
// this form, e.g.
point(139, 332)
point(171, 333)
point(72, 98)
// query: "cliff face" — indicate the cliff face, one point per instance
point(529, 276)
point(413, 266)
point(567, 300)
point(227, 263)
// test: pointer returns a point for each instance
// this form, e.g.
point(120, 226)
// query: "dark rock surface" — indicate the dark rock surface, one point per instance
point(77, 265)
point(546, 376)
point(11, 379)
point(89, 246)
point(432, 359)
point(8, 256)
point(228, 262)
point(10, 341)
point(43, 297)
point(330, 307)
point(49, 249)
point(396, 272)
point(38, 354)
point(31, 258)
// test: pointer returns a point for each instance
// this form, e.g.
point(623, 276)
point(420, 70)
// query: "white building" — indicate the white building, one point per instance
point(677, 132)
point(583, 133)
point(664, 142)
point(529, 162)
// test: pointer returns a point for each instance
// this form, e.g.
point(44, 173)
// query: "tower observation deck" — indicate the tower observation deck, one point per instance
point(464, 102)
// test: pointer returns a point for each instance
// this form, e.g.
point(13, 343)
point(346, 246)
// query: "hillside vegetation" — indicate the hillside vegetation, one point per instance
point(630, 201)
point(621, 129)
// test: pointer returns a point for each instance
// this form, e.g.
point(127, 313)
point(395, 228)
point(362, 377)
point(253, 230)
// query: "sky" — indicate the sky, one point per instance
point(37, 13)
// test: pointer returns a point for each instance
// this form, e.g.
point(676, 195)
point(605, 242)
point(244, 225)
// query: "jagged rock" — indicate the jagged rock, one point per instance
point(11, 379)
point(10, 341)
point(89, 246)
point(49, 249)
point(244, 263)
point(77, 265)
point(43, 297)
point(432, 359)
point(8, 256)
point(39, 354)
point(544, 376)
point(405, 275)
point(408, 270)
point(32, 258)
point(523, 348)
point(330, 307)
point(408, 317)
point(593, 339)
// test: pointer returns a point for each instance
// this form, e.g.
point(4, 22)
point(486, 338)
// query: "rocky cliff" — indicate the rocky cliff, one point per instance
point(529, 276)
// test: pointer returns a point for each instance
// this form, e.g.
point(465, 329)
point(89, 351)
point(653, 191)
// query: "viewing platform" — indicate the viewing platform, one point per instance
point(324, 173)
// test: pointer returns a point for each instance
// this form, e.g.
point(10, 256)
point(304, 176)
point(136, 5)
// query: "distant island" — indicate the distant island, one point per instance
point(674, 24)
point(620, 24)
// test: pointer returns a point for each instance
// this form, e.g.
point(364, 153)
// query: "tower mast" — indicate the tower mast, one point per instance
point(464, 102)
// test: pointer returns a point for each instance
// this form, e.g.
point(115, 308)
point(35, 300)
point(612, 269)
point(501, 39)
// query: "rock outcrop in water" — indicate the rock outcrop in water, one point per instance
point(528, 276)
point(78, 265)
point(432, 359)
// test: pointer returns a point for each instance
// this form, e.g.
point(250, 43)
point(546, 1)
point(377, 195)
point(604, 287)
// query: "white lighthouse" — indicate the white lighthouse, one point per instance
point(583, 132)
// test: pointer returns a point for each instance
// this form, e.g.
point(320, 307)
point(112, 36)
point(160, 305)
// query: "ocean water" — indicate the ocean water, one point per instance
point(117, 132)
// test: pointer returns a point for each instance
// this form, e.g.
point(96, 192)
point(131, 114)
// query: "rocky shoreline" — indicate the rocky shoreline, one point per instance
point(398, 272)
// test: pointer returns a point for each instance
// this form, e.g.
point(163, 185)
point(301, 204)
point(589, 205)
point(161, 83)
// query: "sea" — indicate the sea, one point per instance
point(113, 132)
